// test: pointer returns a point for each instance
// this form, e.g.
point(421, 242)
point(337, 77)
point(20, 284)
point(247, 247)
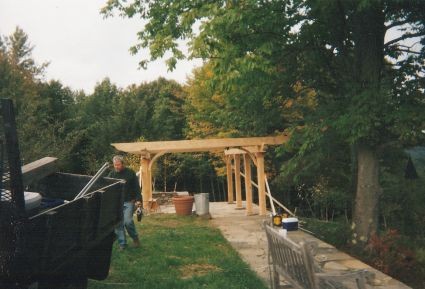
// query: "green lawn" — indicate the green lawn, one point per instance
point(178, 252)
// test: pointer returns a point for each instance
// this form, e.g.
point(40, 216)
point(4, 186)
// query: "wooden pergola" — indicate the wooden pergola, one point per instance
point(251, 149)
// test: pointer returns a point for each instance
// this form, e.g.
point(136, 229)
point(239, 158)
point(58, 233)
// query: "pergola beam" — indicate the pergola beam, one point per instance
point(199, 145)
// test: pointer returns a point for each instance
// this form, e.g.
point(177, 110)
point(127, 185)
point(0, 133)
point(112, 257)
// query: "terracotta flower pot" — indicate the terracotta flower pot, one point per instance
point(183, 205)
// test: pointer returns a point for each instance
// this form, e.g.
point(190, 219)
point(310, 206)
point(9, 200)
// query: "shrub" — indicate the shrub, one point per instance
point(334, 233)
point(389, 254)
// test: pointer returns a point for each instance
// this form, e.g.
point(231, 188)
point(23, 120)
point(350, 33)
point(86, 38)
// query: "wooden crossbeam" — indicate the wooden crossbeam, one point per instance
point(198, 145)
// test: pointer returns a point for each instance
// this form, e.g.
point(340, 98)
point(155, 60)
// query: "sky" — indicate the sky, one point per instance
point(82, 47)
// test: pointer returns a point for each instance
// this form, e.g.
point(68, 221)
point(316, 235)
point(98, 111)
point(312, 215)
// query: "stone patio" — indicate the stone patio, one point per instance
point(245, 234)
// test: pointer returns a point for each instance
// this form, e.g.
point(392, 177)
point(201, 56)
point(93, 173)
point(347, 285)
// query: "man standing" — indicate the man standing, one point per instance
point(132, 197)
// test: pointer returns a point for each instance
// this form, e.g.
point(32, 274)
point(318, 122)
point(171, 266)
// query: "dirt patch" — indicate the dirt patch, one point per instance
point(196, 270)
point(171, 224)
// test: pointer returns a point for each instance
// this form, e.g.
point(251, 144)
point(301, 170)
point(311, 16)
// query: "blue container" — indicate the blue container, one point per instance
point(290, 224)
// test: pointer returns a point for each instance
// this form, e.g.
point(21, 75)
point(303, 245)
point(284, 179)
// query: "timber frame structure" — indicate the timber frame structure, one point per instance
point(251, 149)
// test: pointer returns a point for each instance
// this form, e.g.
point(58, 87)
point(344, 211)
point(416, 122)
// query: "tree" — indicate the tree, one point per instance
point(207, 110)
point(19, 71)
point(44, 111)
point(369, 90)
point(167, 119)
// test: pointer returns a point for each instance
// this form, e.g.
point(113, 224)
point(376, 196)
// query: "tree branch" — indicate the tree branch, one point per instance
point(397, 23)
point(407, 46)
point(405, 36)
point(408, 51)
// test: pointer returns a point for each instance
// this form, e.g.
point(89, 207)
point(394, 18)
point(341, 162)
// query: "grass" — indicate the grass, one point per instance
point(178, 252)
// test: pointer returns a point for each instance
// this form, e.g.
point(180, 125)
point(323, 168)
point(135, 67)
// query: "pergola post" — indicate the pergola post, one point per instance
point(146, 180)
point(261, 183)
point(141, 175)
point(229, 180)
point(248, 185)
point(237, 159)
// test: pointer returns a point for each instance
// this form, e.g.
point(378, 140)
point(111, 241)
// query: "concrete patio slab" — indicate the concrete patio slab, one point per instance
point(247, 236)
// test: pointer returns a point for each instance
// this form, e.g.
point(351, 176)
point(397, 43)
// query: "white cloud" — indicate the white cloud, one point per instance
point(81, 45)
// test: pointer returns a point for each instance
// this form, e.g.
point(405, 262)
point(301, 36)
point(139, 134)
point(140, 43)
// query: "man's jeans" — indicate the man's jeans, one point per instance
point(128, 224)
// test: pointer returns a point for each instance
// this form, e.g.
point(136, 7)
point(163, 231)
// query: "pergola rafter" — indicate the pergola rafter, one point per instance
point(252, 149)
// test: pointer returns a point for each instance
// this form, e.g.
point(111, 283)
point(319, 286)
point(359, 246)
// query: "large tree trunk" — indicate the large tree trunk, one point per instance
point(368, 36)
point(365, 219)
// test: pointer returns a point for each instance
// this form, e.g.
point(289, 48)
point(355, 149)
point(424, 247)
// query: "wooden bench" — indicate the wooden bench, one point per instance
point(296, 264)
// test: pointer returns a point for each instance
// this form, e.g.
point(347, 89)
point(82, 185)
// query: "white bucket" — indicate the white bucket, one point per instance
point(202, 204)
point(32, 200)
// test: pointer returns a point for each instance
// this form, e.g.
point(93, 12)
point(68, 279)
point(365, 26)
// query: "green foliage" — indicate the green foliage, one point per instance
point(335, 233)
point(205, 109)
point(402, 199)
point(152, 111)
point(268, 59)
point(260, 50)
